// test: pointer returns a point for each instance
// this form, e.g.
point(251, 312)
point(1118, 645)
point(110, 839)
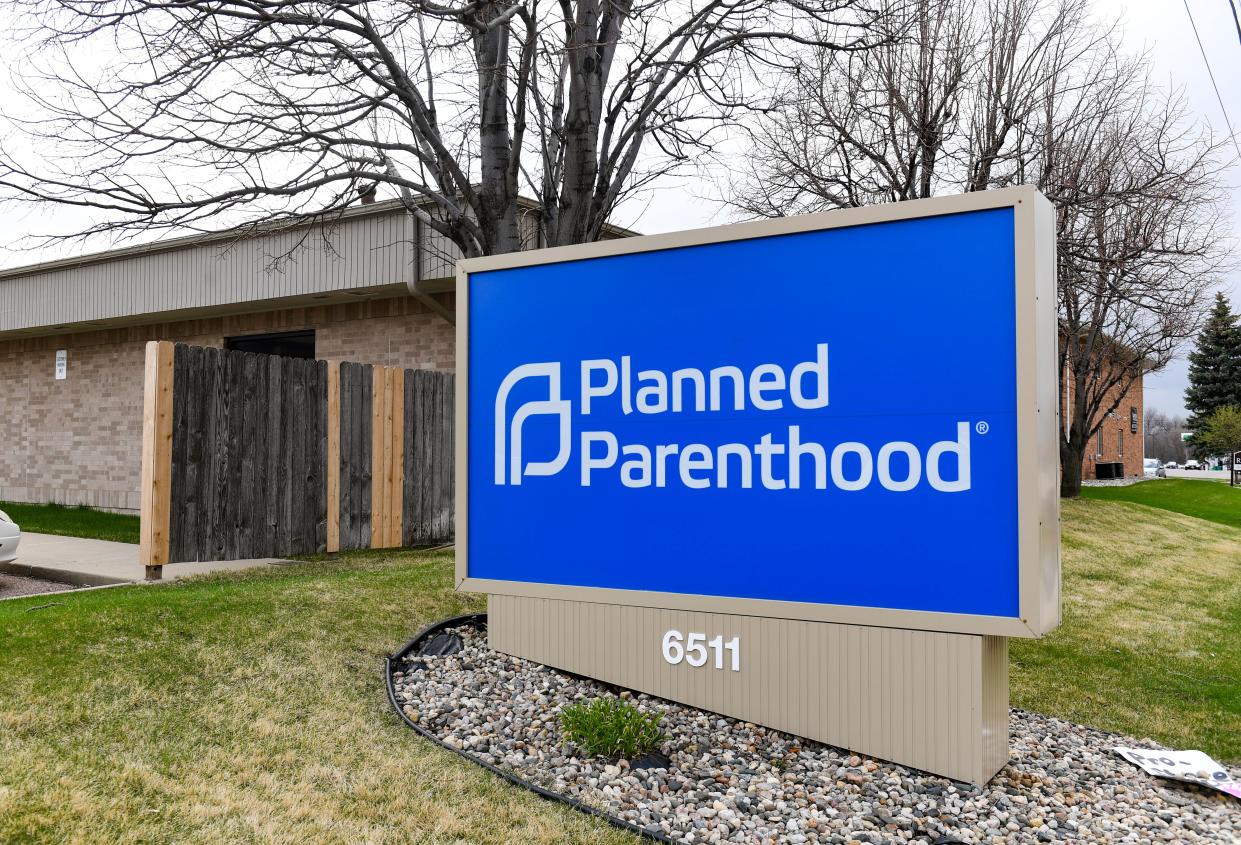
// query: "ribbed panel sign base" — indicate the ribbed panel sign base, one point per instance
point(929, 700)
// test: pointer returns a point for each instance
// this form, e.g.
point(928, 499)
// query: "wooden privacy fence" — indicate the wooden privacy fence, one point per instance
point(256, 456)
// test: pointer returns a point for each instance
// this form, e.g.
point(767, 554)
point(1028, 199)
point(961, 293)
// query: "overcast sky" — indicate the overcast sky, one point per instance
point(1163, 28)
point(1160, 27)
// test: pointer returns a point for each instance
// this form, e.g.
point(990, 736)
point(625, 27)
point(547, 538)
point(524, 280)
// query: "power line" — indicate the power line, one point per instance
point(1211, 73)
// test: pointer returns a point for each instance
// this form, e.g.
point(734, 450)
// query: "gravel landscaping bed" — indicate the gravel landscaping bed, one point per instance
point(732, 781)
point(14, 586)
point(1116, 482)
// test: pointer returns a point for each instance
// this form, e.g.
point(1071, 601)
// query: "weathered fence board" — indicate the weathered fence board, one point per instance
point(266, 457)
point(276, 456)
point(332, 466)
point(428, 512)
point(248, 453)
point(355, 455)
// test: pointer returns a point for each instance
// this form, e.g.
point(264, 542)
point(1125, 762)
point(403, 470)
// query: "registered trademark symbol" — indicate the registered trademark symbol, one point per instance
point(982, 428)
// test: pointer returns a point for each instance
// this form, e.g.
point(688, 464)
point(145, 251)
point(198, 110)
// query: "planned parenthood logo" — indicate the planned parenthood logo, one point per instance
point(553, 405)
point(777, 460)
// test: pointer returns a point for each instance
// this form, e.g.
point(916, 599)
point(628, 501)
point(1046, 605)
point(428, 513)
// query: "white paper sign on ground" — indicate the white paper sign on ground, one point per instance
point(1189, 766)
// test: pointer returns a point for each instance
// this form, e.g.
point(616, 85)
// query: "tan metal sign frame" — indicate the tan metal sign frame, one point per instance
point(1037, 459)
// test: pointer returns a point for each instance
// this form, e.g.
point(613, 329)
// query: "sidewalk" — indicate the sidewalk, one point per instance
point(99, 562)
point(1199, 474)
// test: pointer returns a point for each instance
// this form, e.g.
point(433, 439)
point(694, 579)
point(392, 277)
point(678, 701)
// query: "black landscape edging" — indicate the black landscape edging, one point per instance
point(479, 619)
point(475, 619)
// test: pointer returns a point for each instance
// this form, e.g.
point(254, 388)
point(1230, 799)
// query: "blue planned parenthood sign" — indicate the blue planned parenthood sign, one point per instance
point(835, 412)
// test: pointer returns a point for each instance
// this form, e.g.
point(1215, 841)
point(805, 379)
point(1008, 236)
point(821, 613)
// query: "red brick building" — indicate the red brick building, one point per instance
point(1120, 438)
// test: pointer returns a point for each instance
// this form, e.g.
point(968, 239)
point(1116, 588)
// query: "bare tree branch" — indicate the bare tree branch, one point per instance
point(181, 113)
point(966, 96)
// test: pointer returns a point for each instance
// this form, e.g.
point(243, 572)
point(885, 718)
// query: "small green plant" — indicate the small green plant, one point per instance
point(610, 727)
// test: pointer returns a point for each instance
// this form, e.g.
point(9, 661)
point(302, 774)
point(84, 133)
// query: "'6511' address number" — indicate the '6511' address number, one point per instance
point(696, 649)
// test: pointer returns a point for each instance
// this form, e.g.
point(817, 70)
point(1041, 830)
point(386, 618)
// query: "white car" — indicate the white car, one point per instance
point(1171, 465)
point(1192, 465)
point(10, 535)
point(1150, 466)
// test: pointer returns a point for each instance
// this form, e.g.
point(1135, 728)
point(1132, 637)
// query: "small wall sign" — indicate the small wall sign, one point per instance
point(62, 364)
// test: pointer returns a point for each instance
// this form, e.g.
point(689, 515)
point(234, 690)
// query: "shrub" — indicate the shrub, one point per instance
point(610, 727)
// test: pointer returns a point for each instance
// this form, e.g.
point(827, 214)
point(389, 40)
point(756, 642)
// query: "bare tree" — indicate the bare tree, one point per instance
point(1163, 437)
point(1018, 92)
point(947, 102)
point(169, 113)
point(1138, 246)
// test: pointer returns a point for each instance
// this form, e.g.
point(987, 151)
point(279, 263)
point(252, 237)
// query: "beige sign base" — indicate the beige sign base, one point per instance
point(929, 700)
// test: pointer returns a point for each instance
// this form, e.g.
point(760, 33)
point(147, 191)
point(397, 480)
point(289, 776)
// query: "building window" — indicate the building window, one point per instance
point(1098, 444)
point(284, 344)
point(1133, 420)
point(1120, 443)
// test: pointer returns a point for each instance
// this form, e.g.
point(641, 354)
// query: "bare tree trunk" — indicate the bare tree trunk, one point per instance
point(497, 210)
point(1072, 453)
point(581, 125)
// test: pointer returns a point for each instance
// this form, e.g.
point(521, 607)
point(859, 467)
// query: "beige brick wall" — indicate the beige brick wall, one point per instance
point(410, 336)
point(79, 441)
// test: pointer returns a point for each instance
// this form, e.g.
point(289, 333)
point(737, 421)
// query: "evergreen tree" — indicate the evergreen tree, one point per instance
point(1214, 367)
point(1221, 435)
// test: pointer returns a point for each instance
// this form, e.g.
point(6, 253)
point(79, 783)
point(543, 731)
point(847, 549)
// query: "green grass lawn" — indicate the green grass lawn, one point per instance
point(73, 522)
point(1210, 500)
point(249, 707)
point(1150, 639)
point(242, 708)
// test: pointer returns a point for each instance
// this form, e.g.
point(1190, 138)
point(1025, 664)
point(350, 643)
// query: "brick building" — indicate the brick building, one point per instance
point(374, 288)
point(1121, 437)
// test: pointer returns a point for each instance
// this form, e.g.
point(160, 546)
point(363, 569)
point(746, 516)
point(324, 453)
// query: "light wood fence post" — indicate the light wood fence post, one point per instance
point(387, 455)
point(156, 494)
